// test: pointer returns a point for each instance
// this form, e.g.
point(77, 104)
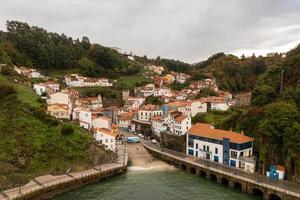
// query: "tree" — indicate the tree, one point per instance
point(273, 130)
point(85, 42)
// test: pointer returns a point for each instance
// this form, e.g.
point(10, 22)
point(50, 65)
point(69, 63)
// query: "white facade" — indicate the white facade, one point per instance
point(223, 106)
point(107, 138)
point(49, 88)
point(182, 125)
point(158, 125)
point(88, 121)
point(221, 146)
point(74, 80)
point(193, 108)
point(39, 89)
point(146, 114)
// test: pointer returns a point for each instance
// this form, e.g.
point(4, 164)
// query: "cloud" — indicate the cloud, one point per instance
point(187, 30)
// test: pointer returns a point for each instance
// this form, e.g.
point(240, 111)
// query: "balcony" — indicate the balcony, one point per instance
point(249, 159)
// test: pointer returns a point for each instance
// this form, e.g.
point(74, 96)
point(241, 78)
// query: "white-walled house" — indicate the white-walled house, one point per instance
point(75, 80)
point(192, 108)
point(158, 125)
point(58, 102)
point(47, 87)
point(146, 112)
point(181, 78)
point(188, 108)
point(59, 97)
point(106, 137)
point(28, 72)
point(90, 121)
point(181, 124)
point(217, 103)
point(124, 120)
point(221, 146)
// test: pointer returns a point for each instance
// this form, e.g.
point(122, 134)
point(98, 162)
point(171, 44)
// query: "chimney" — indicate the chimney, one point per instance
point(242, 132)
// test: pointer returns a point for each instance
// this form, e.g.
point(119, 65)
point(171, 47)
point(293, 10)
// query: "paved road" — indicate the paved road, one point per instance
point(137, 153)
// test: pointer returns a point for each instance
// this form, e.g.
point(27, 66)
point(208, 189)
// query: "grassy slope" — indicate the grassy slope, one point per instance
point(25, 93)
point(32, 143)
point(130, 81)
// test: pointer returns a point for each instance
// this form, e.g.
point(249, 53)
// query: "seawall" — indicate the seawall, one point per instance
point(48, 186)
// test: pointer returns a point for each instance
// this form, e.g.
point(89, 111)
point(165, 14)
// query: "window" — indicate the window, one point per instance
point(207, 148)
point(204, 147)
point(106, 140)
point(233, 154)
point(86, 115)
point(111, 140)
point(196, 146)
point(216, 150)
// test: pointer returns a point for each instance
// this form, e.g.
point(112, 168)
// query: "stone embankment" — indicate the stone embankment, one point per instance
point(47, 186)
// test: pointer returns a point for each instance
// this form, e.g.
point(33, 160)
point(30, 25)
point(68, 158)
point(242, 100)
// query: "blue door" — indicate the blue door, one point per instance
point(232, 163)
point(216, 158)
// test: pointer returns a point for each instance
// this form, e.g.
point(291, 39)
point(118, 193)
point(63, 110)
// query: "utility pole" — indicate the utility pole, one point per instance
point(281, 82)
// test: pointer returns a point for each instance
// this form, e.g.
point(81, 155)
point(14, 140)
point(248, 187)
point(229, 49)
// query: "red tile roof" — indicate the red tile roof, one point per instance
point(206, 130)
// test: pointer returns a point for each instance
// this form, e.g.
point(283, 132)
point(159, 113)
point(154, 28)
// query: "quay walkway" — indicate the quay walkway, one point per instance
point(48, 183)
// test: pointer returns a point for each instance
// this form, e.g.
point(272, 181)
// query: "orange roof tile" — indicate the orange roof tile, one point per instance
point(206, 130)
point(180, 118)
point(107, 131)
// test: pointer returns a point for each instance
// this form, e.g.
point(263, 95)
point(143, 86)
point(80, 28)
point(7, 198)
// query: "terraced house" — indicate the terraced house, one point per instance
point(221, 146)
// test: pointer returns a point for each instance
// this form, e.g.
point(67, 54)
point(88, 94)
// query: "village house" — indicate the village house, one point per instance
point(181, 78)
point(243, 99)
point(60, 101)
point(205, 84)
point(226, 95)
point(90, 120)
point(92, 103)
point(181, 124)
point(147, 111)
point(74, 80)
point(174, 122)
point(157, 80)
point(59, 111)
point(125, 95)
point(111, 112)
point(61, 98)
point(106, 137)
point(28, 72)
point(124, 120)
point(221, 146)
point(155, 69)
point(217, 103)
point(46, 88)
point(163, 91)
point(188, 108)
point(168, 79)
point(159, 125)
point(73, 93)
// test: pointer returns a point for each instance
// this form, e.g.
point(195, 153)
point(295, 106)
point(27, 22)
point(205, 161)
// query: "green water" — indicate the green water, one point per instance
point(170, 184)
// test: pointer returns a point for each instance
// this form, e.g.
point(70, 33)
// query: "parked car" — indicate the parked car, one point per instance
point(154, 141)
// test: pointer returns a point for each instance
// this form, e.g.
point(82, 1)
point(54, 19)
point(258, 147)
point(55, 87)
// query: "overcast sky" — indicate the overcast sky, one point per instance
point(189, 30)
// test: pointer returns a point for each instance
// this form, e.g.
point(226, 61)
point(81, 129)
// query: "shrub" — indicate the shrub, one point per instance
point(67, 129)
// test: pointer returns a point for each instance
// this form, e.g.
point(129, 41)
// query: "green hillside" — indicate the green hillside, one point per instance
point(33, 143)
